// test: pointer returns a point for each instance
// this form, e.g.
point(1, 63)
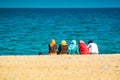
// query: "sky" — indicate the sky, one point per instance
point(59, 3)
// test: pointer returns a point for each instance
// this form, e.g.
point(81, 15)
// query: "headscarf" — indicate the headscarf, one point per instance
point(63, 42)
point(81, 41)
point(52, 43)
point(72, 45)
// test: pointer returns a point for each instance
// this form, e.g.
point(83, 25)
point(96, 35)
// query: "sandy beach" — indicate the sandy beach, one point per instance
point(60, 67)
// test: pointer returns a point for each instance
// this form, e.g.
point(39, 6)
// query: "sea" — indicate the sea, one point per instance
point(28, 31)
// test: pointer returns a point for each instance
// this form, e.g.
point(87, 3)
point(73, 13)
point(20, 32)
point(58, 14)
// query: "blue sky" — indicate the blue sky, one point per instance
point(59, 3)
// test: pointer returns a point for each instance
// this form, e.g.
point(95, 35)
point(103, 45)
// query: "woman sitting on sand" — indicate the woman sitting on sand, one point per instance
point(83, 48)
point(62, 48)
point(73, 48)
point(93, 48)
point(52, 48)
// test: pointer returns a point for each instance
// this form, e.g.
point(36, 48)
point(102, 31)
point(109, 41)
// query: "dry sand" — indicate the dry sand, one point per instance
point(60, 67)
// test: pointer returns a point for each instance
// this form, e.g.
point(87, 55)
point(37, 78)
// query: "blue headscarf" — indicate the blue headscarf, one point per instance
point(72, 45)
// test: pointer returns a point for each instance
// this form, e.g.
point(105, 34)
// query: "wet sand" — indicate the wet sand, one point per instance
point(60, 67)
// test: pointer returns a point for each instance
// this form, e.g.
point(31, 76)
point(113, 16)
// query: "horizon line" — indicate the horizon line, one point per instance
point(59, 7)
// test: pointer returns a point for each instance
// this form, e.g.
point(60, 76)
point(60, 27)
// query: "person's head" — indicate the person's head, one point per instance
point(39, 53)
point(73, 42)
point(90, 41)
point(63, 42)
point(81, 41)
point(52, 42)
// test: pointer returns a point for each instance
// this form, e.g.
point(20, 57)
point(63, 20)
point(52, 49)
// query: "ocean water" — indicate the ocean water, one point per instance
point(27, 31)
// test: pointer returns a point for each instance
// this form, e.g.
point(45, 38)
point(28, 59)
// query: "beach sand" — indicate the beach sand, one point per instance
point(60, 67)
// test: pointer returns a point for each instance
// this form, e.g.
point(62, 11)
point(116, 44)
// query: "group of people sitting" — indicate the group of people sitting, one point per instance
point(73, 48)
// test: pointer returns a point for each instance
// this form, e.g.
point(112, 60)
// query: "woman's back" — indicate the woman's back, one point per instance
point(83, 49)
point(73, 48)
point(62, 49)
point(52, 48)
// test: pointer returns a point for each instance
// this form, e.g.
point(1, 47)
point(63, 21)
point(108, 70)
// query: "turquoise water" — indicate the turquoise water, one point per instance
point(27, 31)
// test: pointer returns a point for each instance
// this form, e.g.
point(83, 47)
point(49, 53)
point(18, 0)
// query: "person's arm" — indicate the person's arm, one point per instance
point(69, 51)
point(58, 49)
point(88, 46)
point(78, 50)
